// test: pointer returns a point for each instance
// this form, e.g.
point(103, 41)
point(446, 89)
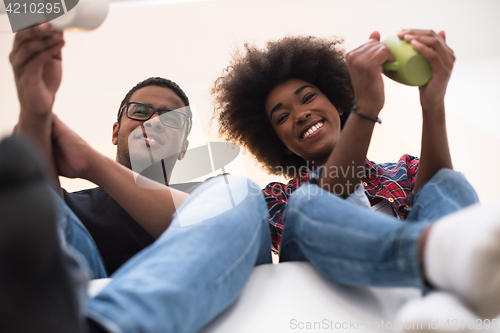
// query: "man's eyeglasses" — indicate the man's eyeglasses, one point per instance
point(143, 112)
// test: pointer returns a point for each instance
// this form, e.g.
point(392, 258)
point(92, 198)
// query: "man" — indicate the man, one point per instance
point(178, 283)
point(118, 235)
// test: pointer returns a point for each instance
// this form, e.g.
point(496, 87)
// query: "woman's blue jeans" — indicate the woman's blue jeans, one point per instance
point(196, 270)
point(356, 246)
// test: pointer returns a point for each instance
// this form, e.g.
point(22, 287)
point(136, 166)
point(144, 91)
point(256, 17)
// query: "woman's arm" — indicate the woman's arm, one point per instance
point(348, 157)
point(435, 152)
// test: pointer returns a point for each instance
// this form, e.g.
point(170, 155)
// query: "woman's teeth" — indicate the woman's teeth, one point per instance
point(312, 130)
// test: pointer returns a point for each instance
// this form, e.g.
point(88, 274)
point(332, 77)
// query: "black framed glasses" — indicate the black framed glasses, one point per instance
point(143, 112)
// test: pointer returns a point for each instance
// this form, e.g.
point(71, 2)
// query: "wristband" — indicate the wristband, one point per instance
point(355, 108)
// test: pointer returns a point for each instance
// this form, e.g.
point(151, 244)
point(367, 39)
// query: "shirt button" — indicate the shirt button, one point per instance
point(391, 200)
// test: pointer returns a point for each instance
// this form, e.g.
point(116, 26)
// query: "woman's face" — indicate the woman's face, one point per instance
point(304, 119)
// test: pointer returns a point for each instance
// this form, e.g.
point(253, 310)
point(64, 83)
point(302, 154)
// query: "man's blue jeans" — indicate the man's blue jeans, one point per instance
point(82, 246)
point(192, 273)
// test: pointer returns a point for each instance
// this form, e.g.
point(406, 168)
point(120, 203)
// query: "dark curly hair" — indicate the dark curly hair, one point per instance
point(241, 92)
point(159, 82)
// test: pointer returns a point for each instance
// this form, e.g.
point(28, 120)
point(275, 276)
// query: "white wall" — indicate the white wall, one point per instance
point(192, 42)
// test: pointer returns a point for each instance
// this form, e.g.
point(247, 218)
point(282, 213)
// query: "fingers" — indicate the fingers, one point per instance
point(32, 33)
point(375, 36)
point(429, 38)
point(41, 58)
point(438, 60)
point(371, 54)
point(442, 34)
point(435, 42)
point(433, 47)
point(28, 52)
point(365, 69)
point(30, 44)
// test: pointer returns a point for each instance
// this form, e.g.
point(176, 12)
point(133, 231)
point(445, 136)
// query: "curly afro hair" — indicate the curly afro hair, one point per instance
point(241, 92)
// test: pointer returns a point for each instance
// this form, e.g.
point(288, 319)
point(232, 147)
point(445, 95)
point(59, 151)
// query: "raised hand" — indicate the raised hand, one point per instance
point(435, 152)
point(365, 68)
point(36, 61)
point(441, 57)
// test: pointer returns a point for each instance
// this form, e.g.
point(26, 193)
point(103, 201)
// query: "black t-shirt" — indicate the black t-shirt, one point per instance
point(117, 235)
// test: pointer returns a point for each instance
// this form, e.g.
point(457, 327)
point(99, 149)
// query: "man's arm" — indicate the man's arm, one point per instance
point(37, 65)
point(36, 62)
point(151, 206)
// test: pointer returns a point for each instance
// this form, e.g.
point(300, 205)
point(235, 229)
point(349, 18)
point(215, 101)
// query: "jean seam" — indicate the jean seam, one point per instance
point(240, 259)
point(411, 269)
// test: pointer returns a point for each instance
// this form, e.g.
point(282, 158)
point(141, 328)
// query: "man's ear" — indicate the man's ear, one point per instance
point(184, 149)
point(114, 138)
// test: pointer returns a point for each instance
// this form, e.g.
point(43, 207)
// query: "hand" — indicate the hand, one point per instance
point(36, 61)
point(73, 156)
point(365, 68)
point(433, 47)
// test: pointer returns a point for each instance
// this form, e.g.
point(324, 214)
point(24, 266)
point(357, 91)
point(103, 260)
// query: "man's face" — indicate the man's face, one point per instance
point(164, 141)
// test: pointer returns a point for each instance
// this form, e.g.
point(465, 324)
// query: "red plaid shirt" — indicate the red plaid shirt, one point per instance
point(391, 181)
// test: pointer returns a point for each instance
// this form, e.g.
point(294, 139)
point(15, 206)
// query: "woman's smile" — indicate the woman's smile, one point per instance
point(304, 119)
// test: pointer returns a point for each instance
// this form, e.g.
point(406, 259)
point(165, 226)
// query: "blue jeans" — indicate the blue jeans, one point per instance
point(192, 273)
point(73, 232)
point(356, 246)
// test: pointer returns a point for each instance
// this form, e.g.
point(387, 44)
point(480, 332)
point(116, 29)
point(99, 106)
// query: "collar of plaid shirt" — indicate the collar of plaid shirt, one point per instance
point(391, 181)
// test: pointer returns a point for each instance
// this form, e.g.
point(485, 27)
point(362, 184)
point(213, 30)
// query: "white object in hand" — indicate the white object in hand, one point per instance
point(87, 15)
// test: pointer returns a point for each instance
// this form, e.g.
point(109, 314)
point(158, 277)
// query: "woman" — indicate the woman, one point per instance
point(288, 104)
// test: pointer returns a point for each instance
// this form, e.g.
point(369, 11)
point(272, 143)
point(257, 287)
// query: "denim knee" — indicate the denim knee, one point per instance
point(446, 192)
point(217, 196)
point(451, 182)
point(299, 201)
point(450, 178)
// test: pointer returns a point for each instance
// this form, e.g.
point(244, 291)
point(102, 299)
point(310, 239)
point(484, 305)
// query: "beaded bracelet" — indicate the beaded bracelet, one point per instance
point(355, 108)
